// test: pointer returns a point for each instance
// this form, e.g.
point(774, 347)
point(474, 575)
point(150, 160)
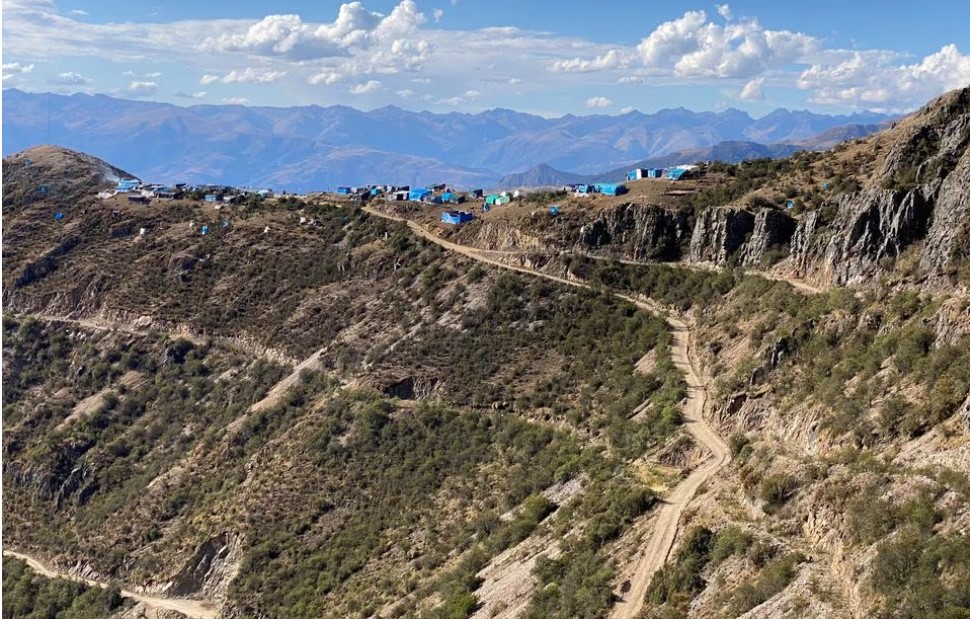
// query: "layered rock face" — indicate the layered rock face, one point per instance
point(639, 232)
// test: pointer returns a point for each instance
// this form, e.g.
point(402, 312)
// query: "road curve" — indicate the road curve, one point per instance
point(667, 518)
point(194, 609)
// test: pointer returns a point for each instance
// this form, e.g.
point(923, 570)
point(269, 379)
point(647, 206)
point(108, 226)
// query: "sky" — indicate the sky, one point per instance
point(543, 57)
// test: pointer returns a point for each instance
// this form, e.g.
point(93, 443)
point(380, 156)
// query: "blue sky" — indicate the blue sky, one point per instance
point(468, 55)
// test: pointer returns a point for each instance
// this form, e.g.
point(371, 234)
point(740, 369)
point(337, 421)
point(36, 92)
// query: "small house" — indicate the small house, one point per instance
point(676, 174)
point(477, 193)
point(127, 184)
point(655, 172)
point(418, 193)
point(450, 197)
point(636, 174)
point(439, 187)
point(397, 196)
point(498, 199)
point(456, 217)
point(584, 189)
point(344, 191)
point(210, 197)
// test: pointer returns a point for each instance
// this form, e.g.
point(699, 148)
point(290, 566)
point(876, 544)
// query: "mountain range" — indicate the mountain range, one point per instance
point(313, 147)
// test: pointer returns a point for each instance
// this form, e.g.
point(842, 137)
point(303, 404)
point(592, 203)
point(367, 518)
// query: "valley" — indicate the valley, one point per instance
point(691, 400)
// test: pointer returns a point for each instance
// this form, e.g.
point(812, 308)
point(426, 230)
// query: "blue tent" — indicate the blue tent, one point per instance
point(418, 193)
point(584, 189)
point(655, 173)
point(127, 184)
point(59, 216)
point(205, 230)
point(675, 174)
point(611, 190)
point(554, 210)
point(456, 217)
point(343, 190)
point(790, 204)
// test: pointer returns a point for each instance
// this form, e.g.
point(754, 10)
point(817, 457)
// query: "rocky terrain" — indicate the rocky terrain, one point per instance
point(367, 414)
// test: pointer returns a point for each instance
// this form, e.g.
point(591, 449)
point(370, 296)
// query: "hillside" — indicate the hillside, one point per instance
point(311, 147)
point(695, 403)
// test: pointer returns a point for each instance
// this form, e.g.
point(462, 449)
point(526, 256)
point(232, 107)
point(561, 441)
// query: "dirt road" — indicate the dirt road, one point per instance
point(194, 609)
point(667, 516)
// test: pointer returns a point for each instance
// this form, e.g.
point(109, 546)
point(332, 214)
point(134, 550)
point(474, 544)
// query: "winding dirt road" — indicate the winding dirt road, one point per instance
point(194, 609)
point(667, 516)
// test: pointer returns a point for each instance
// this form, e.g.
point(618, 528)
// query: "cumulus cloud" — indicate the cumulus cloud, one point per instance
point(405, 93)
point(235, 100)
point(438, 14)
point(598, 102)
point(693, 46)
point(250, 75)
point(69, 78)
point(724, 10)
point(752, 90)
point(13, 69)
point(153, 75)
point(141, 88)
point(205, 80)
point(630, 79)
point(324, 77)
point(80, 12)
point(871, 80)
point(191, 95)
point(289, 36)
point(365, 88)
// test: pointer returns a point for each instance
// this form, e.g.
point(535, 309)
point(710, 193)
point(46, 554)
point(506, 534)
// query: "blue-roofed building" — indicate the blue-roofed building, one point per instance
point(676, 174)
point(636, 174)
point(456, 217)
point(418, 193)
point(610, 189)
point(127, 184)
point(655, 172)
point(584, 189)
point(344, 191)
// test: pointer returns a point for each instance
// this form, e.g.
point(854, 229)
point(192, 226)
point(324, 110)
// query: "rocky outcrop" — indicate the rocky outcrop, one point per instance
point(719, 234)
point(773, 230)
point(873, 226)
point(639, 232)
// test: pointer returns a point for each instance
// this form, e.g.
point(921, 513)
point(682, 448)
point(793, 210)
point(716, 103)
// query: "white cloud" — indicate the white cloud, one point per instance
point(249, 75)
point(515, 80)
point(365, 88)
point(472, 94)
point(724, 10)
point(598, 102)
point(80, 12)
point(13, 69)
point(627, 109)
point(141, 88)
point(422, 80)
point(324, 77)
point(153, 75)
point(752, 90)
point(630, 79)
point(405, 93)
point(205, 80)
point(612, 59)
point(438, 14)
point(129, 74)
point(692, 46)
point(191, 95)
point(70, 78)
point(869, 80)
point(235, 100)
point(290, 37)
